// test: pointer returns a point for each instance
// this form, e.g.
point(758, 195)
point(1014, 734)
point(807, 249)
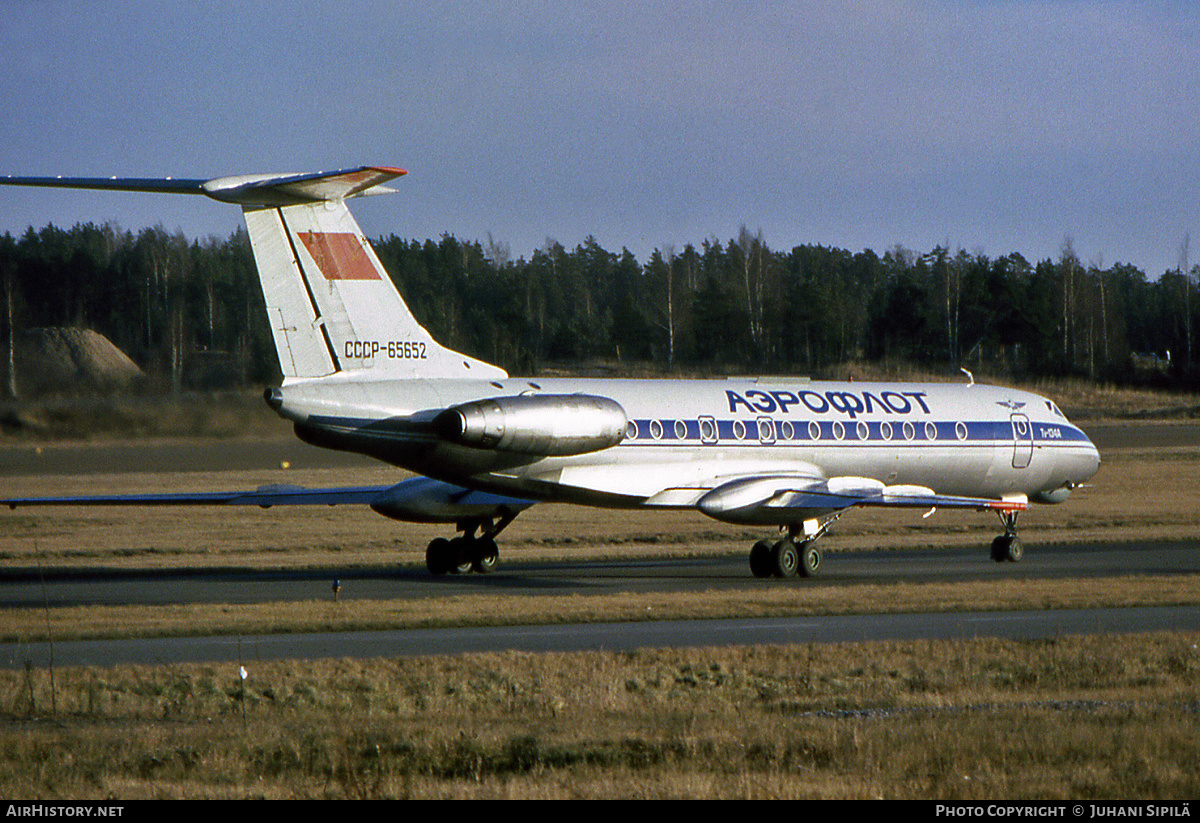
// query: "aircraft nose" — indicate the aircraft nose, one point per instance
point(1086, 463)
point(1074, 465)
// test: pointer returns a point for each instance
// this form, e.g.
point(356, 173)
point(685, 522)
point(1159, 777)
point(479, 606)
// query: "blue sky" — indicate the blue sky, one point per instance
point(990, 126)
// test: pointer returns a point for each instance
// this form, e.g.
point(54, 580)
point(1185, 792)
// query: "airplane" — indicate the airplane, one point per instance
point(361, 374)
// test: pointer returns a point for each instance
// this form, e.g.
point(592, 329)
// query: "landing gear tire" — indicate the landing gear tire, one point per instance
point(486, 556)
point(1007, 547)
point(784, 559)
point(437, 556)
point(460, 555)
point(474, 550)
point(794, 554)
point(761, 563)
point(809, 559)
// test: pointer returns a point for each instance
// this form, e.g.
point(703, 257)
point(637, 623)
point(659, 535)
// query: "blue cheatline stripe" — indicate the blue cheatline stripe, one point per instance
point(849, 431)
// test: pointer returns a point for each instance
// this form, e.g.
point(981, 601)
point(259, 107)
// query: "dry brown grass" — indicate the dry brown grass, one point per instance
point(997, 719)
point(105, 418)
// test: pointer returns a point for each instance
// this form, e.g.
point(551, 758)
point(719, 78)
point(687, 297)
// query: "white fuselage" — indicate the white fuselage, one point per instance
point(972, 440)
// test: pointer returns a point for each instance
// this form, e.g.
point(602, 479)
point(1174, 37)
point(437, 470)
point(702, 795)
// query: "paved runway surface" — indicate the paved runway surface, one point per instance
point(23, 588)
point(605, 636)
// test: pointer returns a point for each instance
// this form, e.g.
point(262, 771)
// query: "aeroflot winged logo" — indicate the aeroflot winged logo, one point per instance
point(1010, 404)
point(339, 256)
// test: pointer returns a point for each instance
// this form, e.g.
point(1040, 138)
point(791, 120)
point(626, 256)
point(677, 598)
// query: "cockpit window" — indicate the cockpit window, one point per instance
point(1054, 409)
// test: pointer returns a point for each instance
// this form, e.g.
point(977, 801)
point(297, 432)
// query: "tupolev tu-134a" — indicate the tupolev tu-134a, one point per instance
point(361, 374)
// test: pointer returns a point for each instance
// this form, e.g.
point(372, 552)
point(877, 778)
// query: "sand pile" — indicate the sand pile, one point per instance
point(62, 359)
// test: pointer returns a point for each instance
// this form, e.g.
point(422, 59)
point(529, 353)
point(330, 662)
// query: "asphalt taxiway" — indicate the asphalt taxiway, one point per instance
point(602, 636)
point(27, 588)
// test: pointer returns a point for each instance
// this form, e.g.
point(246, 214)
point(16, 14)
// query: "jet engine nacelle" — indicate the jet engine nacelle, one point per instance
point(425, 500)
point(538, 424)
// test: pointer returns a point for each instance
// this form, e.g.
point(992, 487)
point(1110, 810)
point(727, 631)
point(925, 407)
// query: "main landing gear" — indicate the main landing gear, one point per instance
point(796, 553)
point(468, 552)
point(1007, 547)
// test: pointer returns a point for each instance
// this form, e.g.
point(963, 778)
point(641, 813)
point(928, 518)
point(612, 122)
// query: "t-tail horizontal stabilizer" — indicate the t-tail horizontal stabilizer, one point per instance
point(244, 189)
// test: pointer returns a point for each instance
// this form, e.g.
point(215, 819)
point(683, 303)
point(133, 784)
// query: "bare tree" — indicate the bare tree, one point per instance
point(12, 338)
point(1098, 267)
point(498, 252)
point(1068, 267)
point(668, 251)
point(752, 265)
point(1185, 276)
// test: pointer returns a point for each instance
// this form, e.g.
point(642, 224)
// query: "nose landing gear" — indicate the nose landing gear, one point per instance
point(1007, 547)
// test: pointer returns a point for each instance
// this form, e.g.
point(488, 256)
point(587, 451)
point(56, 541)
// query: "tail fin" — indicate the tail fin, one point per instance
point(331, 305)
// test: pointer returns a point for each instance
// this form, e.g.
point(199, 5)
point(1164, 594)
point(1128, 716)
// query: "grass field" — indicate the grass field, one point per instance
point(1092, 717)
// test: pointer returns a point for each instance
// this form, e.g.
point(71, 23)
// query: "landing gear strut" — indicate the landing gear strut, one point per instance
point(468, 552)
point(796, 553)
point(1008, 546)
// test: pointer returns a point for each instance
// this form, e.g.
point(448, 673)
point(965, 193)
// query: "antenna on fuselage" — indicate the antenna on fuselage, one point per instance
point(970, 377)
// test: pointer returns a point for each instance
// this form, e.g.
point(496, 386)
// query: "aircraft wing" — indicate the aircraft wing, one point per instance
point(784, 499)
point(272, 495)
point(418, 499)
point(759, 493)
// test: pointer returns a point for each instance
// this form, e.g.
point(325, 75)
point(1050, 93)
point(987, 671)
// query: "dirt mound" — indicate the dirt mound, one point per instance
point(63, 359)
